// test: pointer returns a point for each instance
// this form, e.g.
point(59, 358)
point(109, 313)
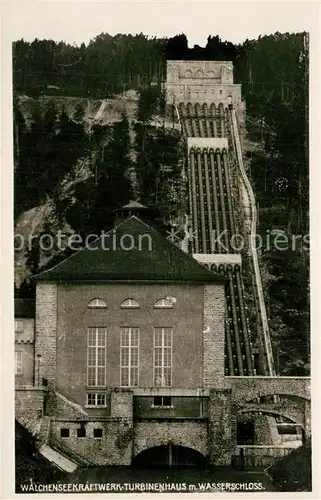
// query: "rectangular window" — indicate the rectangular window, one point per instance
point(96, 399)
point(129, 356)
point(18, 326)
point(81, 432)
point(96, 357)
point(162, 402)
point(163, 357)
point(18, 362)
point(98, 433)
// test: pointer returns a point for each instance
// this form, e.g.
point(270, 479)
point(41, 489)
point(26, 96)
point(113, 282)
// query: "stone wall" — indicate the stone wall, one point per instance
point(29, 406)
point(189, 434)
point(261, 456)
point(46, 331)
point(262, 429)
point(114, 447)
point(122, 404)
point(221, 427)
point(214, 336)
point(27, 361)
point(248, 388)
point(58, 405)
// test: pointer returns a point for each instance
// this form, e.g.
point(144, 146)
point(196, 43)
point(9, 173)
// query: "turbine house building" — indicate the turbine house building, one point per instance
point(129, 340)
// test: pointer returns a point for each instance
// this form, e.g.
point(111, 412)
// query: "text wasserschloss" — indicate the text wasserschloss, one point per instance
point(137, 487)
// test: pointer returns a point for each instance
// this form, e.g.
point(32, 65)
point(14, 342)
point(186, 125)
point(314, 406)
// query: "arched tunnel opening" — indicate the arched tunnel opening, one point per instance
point(169, 456)
point(254, 428)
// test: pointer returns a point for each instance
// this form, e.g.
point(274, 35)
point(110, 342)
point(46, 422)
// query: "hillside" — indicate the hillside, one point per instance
point(102, 172)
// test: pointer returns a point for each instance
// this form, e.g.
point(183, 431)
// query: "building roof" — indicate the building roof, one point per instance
point(133, 204)
point(24, 308)
point(131, 252)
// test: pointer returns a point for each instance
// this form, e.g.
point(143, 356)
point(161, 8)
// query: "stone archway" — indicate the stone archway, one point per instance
point(248, 388)
point(296, 417)
point(192, 435)
point(169, 456)
point(288, 431)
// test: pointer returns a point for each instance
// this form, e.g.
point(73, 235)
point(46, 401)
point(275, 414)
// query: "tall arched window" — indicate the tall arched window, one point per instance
point(97, 304)
point(130, 304)
point(165, 303)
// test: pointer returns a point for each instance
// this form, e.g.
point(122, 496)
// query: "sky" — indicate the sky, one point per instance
point(77, 22)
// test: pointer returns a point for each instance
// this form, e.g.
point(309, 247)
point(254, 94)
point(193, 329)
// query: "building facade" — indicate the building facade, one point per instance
point(201, 82)
point(24, 330)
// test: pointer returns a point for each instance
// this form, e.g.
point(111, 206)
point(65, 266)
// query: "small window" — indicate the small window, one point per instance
point(98, 433)
point(158, 401)
point(130, 304)
point(162, 402)
point(165, 303)
point(18, 326)
point(81, 433)
point(64, 433)
point(97, 304)
point(18, 362)
point(167, 401)
point(96, 399)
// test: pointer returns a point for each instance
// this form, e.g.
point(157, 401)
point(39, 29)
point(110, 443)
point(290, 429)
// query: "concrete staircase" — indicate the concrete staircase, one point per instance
point(60, 461)
point(65, 451)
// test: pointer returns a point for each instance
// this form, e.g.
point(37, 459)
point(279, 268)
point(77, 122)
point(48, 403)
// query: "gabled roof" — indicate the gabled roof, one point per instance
point(24, 308)
point(134, 204)
point(131, 252)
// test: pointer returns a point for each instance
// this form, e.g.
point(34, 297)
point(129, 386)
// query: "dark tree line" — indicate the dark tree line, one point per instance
point(106, 66)
point(215, 50)
point(44, 152)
